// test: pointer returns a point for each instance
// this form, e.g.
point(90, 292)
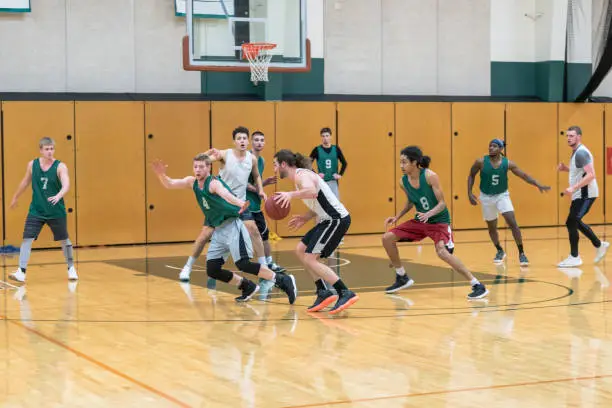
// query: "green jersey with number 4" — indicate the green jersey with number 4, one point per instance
point(46, 184)
point(327, 163)
point(493, 180)
point(424, 199)
point(214, 207)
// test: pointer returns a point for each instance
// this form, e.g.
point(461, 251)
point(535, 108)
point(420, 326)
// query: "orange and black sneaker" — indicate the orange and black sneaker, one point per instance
point(347, 298)
point(324, 298)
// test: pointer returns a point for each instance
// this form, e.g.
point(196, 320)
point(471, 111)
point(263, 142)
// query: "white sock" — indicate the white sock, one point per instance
point(190, 262)
point(262, 260)
point(268, 260)
point(474, 281)
point(400, 271)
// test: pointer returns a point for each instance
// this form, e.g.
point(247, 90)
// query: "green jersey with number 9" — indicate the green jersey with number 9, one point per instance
point(493, 180)
point(424, 199)
point(327, 163)
point(46, 184)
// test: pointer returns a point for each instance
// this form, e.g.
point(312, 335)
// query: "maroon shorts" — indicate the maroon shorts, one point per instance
point(414, 231)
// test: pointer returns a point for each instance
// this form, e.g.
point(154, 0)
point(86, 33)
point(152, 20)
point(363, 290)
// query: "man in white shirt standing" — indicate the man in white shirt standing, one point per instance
point(583, 190)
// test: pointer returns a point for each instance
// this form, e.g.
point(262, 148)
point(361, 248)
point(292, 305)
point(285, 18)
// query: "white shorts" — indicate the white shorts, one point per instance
point(233, 238)
point(492, 205)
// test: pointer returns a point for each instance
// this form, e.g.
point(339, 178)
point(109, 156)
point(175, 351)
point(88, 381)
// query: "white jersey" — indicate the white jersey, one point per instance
point(326, 205)
point(580, 158)
point(236, 173)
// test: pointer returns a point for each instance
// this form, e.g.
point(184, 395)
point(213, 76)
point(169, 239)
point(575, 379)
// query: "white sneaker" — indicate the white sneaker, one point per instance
point(185, 274)
point(18, 276)
point(601, 251)
point(72, 274)
point(570, 262)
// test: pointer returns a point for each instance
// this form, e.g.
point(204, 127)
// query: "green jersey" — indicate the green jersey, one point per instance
point(46, 184)
point(215, 208)
point(327, 163)
point(494, 180)
point(424, 199)
point(254, 198)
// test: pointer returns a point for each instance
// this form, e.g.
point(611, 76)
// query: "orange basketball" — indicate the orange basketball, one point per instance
point(275, 211)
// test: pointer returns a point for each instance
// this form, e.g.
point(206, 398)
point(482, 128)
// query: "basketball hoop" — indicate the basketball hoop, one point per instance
point(259, 56)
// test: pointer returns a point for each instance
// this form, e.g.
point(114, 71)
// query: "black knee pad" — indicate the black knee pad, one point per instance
point(214, 270)
point(245, 265)
point(266, 235)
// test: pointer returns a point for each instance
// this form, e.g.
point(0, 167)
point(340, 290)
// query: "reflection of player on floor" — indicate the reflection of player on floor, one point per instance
point(422, 187)
point(222, 210)
point(583, 191)
point(258, 143)
point(50, 183)
point(333, 221)
point(495, 198)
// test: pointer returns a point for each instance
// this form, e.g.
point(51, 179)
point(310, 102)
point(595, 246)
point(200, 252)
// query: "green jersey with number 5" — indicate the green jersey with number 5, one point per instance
point(424, 199)
point(46, 184)
point(493, 180)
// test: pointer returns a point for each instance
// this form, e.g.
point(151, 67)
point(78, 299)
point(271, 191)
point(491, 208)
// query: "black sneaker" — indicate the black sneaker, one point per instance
point(346, 299)
point(478, 291)
point(401, 282)
point(276, 268)
point(499, 257)
point(286, 283)
point(248, 288)
point(324, 298)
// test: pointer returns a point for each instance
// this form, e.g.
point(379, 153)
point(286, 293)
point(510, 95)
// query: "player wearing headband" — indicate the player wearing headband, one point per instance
point(494, 195)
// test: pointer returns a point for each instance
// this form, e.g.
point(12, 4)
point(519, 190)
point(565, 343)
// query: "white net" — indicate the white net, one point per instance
point(259, 56)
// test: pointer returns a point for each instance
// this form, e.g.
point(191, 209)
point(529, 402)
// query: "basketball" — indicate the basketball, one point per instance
point(275, 211)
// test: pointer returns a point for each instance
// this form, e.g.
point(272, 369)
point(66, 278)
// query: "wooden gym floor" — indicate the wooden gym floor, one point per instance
point(129, 334)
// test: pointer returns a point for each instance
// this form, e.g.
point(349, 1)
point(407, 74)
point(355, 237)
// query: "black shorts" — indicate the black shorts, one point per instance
point(34, 225)
point(246, 216)
point(262, 226)
point(325, 237)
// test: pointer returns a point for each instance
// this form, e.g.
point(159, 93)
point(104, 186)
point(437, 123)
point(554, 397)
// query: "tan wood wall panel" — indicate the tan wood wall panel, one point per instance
point(474, 125)
point(608, 165)
point(226, 116)
point(366, 136)
point(532, 138)
point(111, 172)
point(298, 128)
point(427, 125)
point(175, 133)
point(590, 119)
point(25, 123)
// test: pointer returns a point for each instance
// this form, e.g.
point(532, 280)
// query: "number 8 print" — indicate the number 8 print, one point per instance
point(425, 203)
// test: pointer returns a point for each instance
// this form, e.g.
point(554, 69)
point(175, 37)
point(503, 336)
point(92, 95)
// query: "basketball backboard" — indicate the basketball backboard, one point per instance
point(216, 30)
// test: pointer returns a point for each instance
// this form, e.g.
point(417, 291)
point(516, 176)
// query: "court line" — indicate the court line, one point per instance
point(393, 316)
point(470, 389)
point(99, 364)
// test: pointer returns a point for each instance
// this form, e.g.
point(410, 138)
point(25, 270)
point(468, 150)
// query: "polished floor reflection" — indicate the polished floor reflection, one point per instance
point(129, 334)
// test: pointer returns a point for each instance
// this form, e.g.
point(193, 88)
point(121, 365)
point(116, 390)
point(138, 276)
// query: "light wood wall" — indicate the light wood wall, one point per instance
point(116, 199)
